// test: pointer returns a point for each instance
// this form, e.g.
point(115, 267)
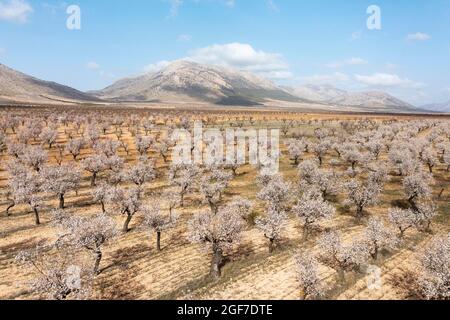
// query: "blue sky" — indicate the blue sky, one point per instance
point(290, 41)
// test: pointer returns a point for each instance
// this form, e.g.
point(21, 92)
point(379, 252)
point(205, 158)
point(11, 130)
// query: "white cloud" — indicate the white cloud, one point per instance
point(155, 67)
point(244, 57)
point(387, 80)
point(326, 78)
point(92, 65)
point(349, 62)
point(184, 37)
point(419, 36)
point(15, 11)
point(2, 50)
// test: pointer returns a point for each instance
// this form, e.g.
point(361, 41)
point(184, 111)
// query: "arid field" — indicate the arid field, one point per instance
point(360, 207)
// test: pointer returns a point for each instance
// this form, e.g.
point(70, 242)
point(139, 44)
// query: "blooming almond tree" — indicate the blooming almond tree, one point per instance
point(141, 172)
point(340, 257)
point(48, 136)
point(402, 219)
point(218, 232)
point(94, 164)
point(89, 233)
point(157, 221)
point(242, 207)
point(308, 276)
point(57, 277)
point(34, 156)
point(126, 202)
point(434, 275)
point(74, 147)
point(377, 237)
point(276, 193)
point(272, 226)
point(296, 148)
point(60, 179)
point(362, 195)
point(24, 187)
point(184, 177)
point(416, 187)
point(212, 186)
point(311, 210)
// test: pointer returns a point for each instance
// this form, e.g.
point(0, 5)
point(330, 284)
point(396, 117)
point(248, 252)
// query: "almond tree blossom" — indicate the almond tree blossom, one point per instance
point(402, 219)
point(378, 236)
point(24, 188)
point(56, 277)
point(434, 275)
point(74, 147)
point(89, 233)
point(308, 276)
point(60, 179)
point(311, 210)
point(217, 232)
point(272, 226)
point(157, 221)
point(94, 164)
point(341, 257)
point(126, 202)
point(362, 195)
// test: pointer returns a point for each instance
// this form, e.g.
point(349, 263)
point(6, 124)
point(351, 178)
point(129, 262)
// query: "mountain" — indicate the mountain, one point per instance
point(317, 93)
point(438, 107)
point(193, 81)
point(372, 100)
point(16, 86)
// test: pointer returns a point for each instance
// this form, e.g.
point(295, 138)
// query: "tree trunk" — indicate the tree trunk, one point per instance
point(94, 176)
point(36, 216)
point(216, 262)
point(158, 240)
point(125, 228)
point(182, 200)
point(359, 212)
point(271, 245)
point(430, 167)
point(61, 201)
point(8, 208)
point(98, 258)
point(441, 193)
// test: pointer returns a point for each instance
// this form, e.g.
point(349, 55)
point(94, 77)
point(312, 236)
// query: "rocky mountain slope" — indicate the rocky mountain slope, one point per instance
point(189, 80)
point(16, 86)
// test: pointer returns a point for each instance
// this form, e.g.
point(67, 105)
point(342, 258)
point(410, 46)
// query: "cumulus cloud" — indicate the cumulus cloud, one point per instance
point(387, 80)
point(15, 11)
point(244, 57)
point(92, 65)
point(419, 36)
point(349, 62)
point(334, 78)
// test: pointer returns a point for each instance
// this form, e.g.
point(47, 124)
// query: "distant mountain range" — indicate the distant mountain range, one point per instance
point(189, 80)
point(18, 87)
point(438, 107)
point(186, 81)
